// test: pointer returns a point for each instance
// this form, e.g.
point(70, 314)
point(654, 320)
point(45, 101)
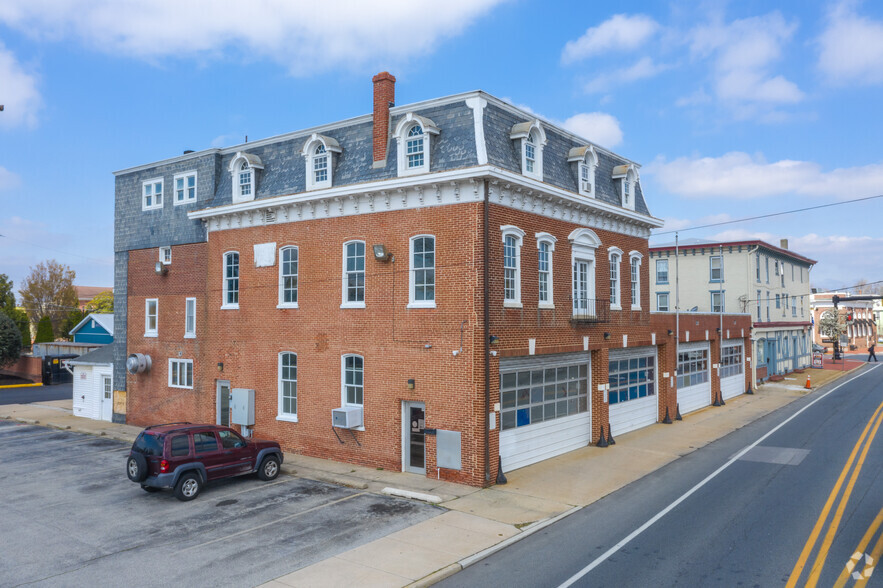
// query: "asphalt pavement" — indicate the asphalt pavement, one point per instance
point(28, 394)
point(732, 513)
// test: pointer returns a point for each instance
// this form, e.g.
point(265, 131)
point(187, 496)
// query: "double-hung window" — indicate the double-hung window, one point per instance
point(353, 274)
point(246, 180)
point(531, 138)
point(662, 271)
point(353, 380)
point(422, 274)
point(545, 248)
point(231, 280)
point(757, 266)
point(165, 255)
point(794, 306)
point(151, 194)
point(287, 386)
point(190, 318)
point(717, 302)
point(512, 239)
point(320, 166)
point(180, 373)
point(151, 320)
point(615, 256)
point(662, 304)
point(185, 188)
point(530, 154)
point(715, 268)
point(635, 275)
point(778, 301)
point(288, 268)
point(759, 318)
point(414, 147)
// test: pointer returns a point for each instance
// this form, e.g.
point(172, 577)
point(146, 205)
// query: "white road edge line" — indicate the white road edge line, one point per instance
point(604, 556)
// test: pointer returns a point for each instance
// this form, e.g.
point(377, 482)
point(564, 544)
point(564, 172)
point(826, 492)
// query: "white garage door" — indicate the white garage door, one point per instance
point(694, 383)
point(632, 396)
point(544, 408)
point(732, 369)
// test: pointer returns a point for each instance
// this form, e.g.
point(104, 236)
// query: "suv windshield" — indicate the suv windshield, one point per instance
point(148, 444)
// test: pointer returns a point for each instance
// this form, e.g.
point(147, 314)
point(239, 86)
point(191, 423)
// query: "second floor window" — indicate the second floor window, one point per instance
point(636, 285)
point(151, 194)
point(662, 271)
point(510, 269)
point(423, 271)
point(759, 318)
point(185, 188)
point(662, 302)
point(354, 273)
point(288, 276)
point(757, 264)
point(151, 320)
point(614, 279)
point(231, 279)
point(715, 264)
point(545, 271)
point(190, 318)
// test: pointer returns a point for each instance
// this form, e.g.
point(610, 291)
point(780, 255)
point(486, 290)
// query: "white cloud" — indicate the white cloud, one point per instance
point(598, 127)
point(18, 93)
point(642, 69)
point(851, 48)
point(742, 53)
point(620, 32)
point(8, 179)
point(307, 37)
point(743, 176)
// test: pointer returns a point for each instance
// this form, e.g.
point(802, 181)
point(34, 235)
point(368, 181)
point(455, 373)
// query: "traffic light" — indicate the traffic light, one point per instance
point(849, 318)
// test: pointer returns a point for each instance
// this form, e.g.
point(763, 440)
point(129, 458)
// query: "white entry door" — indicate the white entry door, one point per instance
point(106, 398)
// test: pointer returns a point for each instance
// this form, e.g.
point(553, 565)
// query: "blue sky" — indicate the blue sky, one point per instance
point(733, 109)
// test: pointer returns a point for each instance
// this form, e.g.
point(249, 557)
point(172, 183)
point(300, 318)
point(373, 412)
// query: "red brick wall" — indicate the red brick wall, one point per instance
point(30, 368)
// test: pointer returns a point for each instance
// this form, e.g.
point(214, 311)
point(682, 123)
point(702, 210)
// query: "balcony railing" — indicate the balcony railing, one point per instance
point(591, 310)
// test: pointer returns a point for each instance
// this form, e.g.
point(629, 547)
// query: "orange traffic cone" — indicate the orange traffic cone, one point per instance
point(808, 383)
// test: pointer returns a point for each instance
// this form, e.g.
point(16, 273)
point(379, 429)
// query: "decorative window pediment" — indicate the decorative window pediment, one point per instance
point(585, 159)
point(413, 136)
point(319, 152)
point(627, 178)
point(532, 139)
point(243, 169)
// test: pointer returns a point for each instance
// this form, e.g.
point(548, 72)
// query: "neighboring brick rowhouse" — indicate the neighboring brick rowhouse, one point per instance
point(384, 97)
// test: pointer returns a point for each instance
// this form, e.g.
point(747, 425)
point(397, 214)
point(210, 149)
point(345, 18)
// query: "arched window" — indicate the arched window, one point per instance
point(586, 160)
point(615, 257)
point(287, 386)
point(512, 241)
point(635, 259)
point(532, 138)
point(318, 153)
point(413, 136)
point(243, 170)
point(545, 248)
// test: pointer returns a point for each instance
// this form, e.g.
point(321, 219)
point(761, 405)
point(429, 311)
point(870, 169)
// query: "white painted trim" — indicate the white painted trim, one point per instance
point(478, 104)
point(184, 176)
point(224, 304)
point(177, 360)
point(153, 182)
point(402, 129)
point(412, 303)
point(616, 302)
point(344, 303)
point(162, 258)
point(280, 303)
point(281, 416)
point(551, 240)
point(148, 332)
point(518, 235)
point(192, 334)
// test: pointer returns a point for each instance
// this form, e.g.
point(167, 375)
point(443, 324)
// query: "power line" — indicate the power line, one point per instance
point(770, 215)
point(54, 250)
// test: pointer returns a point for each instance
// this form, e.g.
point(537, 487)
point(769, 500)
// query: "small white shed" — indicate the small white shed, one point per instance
point(93, 384)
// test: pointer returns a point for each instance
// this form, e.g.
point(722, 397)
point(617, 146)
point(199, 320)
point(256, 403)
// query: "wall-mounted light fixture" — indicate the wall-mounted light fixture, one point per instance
point(670, 332)
point(220, 366)
point(606, 336)
point(718, 330)
point(381, 253)
point(161, 269)
point(411, 384)
point(493, 339)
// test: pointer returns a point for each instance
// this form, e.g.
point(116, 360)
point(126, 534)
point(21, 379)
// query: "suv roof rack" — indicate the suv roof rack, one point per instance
point(168, 424)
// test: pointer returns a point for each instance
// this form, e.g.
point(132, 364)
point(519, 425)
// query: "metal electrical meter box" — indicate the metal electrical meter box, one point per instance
point(242, 407)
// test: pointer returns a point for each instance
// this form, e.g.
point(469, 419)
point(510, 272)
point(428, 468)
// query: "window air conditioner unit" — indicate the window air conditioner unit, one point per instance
point(346, 417)
point(587, 187)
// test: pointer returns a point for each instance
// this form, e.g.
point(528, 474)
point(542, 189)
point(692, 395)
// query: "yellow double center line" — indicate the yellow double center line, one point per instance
point(864, 571)
point(863, 444)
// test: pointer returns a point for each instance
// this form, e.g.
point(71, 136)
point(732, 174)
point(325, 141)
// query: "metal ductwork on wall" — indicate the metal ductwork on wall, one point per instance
point(138, 363)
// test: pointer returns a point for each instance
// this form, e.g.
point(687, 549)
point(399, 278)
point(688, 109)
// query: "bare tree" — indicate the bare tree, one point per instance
point(49, 291)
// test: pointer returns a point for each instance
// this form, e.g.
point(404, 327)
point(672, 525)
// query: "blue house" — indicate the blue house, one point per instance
point(95, 328)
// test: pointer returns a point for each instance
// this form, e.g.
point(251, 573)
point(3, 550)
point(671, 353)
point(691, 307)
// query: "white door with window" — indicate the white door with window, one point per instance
point(732, 369)
point(106, 397)
point(632, 396)
point(583, 289)
point(544, 407)
point(694, 376)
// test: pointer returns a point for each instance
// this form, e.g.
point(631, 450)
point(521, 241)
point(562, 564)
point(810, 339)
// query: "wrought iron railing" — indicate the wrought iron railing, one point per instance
point(590, 310)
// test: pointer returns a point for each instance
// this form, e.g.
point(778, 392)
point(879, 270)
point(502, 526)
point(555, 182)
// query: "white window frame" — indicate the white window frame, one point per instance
point(343, 385)
point(152, 184)
point(664, 261)
point(667, 302)
point(583, 243)
point(615, 291)
point(282, 303)
point(311, 157)
point(345, 303)
point(412, 273)
point(533, 131)
point(165, 255)
point(719, 293)
point(401, 134)
point(225, 284)
point(518, 236)
point(587, 164)
point(281, 415)
point(189, 313)
point(235, 169)
point(189, 192)
point(628, 185)
point(178, 368)
point(719, 268)
point(550, 240)
point(148, 331)
point(635, 261)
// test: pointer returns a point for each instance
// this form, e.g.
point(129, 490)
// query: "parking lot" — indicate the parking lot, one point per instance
point(72, 518)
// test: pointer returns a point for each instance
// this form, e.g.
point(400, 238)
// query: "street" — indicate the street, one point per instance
point(788, 499)
point(29, 394)
point(72, 518)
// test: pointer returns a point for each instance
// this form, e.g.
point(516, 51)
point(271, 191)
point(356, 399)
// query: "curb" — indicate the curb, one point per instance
point(58, 425)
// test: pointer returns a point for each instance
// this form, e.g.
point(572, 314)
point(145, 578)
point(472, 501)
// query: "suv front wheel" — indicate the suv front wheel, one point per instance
point(269, 469)
point(188, 487)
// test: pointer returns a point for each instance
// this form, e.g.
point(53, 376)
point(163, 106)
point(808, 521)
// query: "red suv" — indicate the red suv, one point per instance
point(184, 456)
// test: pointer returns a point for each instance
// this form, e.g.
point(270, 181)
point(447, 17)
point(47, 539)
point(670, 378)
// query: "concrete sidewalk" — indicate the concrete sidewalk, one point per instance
point(481, 521)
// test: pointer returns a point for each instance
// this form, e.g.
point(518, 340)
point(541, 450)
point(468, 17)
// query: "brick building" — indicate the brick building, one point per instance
point(860, 333)
point(465, 280)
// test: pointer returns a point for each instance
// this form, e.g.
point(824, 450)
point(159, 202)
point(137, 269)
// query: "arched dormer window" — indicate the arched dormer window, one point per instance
point(627, 178)
point(318, 153)
point(243, 170)
point(414, 140)
point(532, 139)
point(586, 161)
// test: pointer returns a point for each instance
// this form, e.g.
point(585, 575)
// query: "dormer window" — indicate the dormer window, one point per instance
point(413, 137)
point(627, 178)
point(532, 139)
point(586, 160)
point(319, 153)
point(243, 170)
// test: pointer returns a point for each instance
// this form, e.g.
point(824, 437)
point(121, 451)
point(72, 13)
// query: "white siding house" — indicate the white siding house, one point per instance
point(93, 384)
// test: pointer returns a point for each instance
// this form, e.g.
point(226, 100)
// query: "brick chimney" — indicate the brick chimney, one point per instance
point(384, 97)
point(783, 243)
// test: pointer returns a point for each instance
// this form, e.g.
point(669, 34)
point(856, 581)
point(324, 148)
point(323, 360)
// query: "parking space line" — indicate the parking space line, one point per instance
point(279, 520)
point(256, 487)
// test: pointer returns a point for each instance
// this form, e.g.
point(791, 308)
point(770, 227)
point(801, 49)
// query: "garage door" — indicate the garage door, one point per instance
point(732, 369)
point(632, 395)
point(544, 408)
point(694, 383)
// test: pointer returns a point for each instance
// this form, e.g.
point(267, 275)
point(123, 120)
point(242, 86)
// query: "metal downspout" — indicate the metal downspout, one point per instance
point(487, 350)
